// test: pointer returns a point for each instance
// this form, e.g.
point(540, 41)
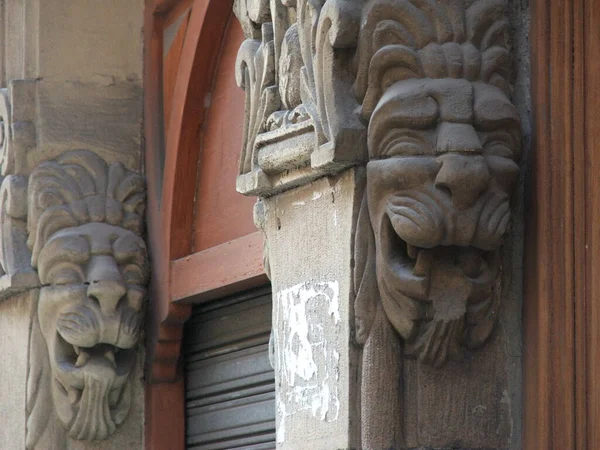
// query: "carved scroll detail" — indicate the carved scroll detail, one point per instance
point(300, 121)
point(84, 225)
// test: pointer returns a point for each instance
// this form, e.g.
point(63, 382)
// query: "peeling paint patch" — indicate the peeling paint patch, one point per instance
point(307, 367)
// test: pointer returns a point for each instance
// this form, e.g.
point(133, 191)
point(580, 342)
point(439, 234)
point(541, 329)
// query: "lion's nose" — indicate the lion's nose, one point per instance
point(107, 294)
point(106, 284)
point(464, 177)
point(464, 172)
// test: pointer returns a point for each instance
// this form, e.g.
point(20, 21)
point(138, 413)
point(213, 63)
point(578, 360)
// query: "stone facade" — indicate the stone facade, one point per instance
point(73, 257)
point(384, 139)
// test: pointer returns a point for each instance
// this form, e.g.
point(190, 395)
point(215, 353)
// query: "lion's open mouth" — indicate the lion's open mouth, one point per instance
point(112, 356)
point(434, 295)
point(415, 262)
point(93, 381)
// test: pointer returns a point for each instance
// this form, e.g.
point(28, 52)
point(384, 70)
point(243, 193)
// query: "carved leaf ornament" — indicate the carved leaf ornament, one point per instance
point(300, 121)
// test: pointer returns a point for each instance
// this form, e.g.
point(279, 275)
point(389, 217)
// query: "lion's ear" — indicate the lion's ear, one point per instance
point(39, 401)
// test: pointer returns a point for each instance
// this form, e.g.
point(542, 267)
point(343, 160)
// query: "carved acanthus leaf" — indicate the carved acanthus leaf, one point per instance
point(297, 71)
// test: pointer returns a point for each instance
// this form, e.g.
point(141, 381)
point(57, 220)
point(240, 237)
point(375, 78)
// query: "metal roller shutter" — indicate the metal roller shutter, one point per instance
point(230, 387)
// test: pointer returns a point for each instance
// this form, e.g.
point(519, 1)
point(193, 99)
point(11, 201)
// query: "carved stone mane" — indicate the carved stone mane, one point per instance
point(418, 39)
point(78, 188)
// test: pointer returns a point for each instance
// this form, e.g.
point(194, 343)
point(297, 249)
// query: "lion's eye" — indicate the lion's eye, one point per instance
point(133, 275)
point(405, 142)
point(499, 144)
point(65, 273)
point(498, 148)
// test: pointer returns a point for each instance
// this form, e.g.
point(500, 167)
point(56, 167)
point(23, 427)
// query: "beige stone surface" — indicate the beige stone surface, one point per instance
point(432, 279)
point(106, 119)
point(73, 73)
point(15, 323)
point(87, 41)
point(85, 219)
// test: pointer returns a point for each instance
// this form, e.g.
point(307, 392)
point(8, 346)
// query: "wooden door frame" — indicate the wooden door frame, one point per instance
point(171, 205)
point(177, 283)
point(562, 243)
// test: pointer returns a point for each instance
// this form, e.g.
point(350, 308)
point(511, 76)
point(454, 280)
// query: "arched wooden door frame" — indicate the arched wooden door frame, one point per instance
point(171, 195)
point(171, 240)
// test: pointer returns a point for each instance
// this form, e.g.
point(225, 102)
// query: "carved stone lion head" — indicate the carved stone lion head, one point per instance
point(85, 223)
point(443, 140)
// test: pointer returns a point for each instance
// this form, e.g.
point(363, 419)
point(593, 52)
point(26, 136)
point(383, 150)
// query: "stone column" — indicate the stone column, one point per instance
point(384, 144)
point(73, 261)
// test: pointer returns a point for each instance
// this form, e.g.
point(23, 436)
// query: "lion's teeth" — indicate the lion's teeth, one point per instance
point(82, 358)
point(412, 251)
point(110, 355)
point(423, 263)
point(77, 349)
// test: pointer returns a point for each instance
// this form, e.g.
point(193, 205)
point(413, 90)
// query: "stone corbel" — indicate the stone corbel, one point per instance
point(419, 92)
point(84, 236)
point(444, 141)
point(71, 233)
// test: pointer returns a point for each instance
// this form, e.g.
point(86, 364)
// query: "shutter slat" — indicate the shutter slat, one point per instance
point(230, 386)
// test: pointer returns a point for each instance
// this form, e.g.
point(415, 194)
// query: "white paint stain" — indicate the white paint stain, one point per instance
point(298, 203)
point(308, 317)
point(317, 195)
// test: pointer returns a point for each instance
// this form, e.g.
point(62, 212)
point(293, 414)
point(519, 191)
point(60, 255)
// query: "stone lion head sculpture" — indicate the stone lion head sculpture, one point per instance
point(444, 141)
point(85, 222)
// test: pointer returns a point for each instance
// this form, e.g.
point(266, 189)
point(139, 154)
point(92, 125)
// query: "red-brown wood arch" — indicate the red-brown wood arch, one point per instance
point(174, 210)
point(185, 80)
